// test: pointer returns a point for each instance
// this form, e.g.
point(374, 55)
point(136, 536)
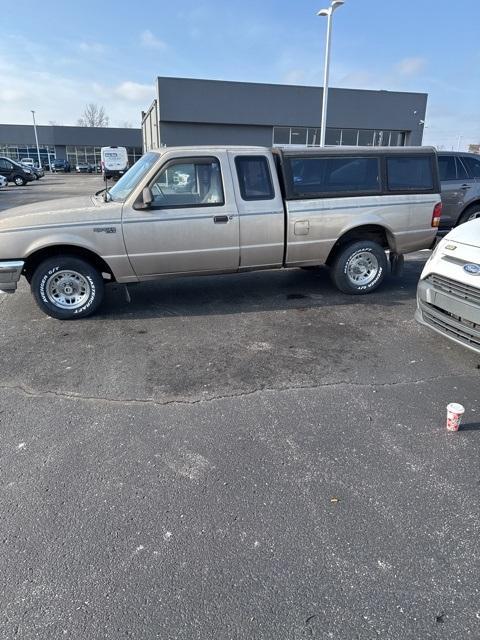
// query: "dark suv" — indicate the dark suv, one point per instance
point(61, 165)
point(460, 181)
point(15, 172)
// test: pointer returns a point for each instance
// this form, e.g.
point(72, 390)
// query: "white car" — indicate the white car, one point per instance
point(448, 294)
point(3, 182)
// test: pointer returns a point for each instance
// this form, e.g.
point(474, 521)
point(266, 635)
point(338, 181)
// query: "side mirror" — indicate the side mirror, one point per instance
point(147, 197)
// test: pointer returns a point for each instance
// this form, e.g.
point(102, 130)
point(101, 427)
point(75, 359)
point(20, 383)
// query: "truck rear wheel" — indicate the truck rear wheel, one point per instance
point(67, 288)
point(359, 268)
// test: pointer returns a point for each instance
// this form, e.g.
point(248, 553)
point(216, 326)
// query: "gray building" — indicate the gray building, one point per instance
point(189, 112)
point(76, 144)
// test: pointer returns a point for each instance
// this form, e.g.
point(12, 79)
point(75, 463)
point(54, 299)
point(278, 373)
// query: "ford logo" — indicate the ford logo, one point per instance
point(472, 269)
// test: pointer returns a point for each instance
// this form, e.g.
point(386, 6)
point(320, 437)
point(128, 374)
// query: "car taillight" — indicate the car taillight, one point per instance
point(437, 214)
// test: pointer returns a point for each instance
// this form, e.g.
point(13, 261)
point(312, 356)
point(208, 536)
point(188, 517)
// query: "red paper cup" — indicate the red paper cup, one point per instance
point(455, 412)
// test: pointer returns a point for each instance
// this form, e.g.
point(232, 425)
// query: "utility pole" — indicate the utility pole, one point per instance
point(36, 139)
point(326, 72)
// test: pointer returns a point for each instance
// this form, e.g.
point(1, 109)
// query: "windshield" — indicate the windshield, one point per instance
point(127, 183)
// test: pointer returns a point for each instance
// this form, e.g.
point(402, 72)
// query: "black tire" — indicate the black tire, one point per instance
point(35, 177)
point(19, 181)
point(366, 257)
point(471, 213)
point(74, 293)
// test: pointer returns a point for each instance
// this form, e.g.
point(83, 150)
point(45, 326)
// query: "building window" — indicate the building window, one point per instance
point(92, 155)
point(298, 135)
point(281, 135)
point(332, 137)
point(19, 152)
point(349, 137)
point(310, 136)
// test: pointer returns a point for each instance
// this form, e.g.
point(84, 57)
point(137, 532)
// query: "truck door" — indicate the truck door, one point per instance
point(192, 224)
point(260, 206)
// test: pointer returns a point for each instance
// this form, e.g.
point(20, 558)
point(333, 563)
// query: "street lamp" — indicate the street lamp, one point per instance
point(329, 14)
point(36, 139)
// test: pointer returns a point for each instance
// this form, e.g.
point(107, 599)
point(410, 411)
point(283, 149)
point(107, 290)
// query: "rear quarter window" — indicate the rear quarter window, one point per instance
point(446, 168)
point(410, 173)
point(254, 178)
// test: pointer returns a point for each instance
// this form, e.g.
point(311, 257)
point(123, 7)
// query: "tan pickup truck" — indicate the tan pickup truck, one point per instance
point(211, 210)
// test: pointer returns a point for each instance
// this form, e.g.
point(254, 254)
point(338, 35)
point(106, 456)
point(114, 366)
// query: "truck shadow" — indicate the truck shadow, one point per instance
point(253, 292)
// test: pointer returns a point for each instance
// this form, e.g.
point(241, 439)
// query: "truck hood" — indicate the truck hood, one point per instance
point(468, 233)
point(62, 211)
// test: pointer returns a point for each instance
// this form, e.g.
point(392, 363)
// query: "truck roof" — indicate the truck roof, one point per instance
point(341, 150)
point(297, 151)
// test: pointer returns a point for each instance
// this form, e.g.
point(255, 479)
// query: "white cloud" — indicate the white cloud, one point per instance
point(56, 96)
point(294, 76)
point(411, 66)
point(133, 91)
point(150, 41)
point(92, 47)
point(11, 95)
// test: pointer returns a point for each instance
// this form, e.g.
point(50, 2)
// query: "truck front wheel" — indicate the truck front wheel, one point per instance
point(359, 268)
point(67, 288)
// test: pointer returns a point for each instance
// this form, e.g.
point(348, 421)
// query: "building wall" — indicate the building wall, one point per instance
point(59, 135)
point(83, 143)
point(187, 133)
point(209, 111)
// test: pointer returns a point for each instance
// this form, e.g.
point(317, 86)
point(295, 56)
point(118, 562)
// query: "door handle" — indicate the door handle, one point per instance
point(466, 186)
point(220, 219)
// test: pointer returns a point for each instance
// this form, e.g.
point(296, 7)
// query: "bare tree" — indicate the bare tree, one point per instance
point(126, 124)
point(93, 116)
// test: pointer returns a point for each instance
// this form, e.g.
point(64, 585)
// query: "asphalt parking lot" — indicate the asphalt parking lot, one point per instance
point(247, 456)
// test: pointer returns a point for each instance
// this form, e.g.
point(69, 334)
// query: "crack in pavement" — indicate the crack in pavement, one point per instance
point(33, 393)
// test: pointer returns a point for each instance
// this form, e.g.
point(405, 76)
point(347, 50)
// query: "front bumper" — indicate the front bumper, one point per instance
point(440, 307)
point(10, 272)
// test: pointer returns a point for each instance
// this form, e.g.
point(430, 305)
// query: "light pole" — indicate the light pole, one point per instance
point(329, 14)
point(36, 139)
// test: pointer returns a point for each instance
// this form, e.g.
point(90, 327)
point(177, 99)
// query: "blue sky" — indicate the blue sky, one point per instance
point(60, 55)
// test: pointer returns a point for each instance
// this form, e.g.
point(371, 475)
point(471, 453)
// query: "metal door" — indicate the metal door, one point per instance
point(192, 225)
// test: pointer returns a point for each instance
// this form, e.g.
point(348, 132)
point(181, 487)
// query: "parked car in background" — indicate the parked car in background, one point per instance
point(14, 172)
point(448, 294)
point(3, 182)
point(60, 165)
point(460, 181)
point(203, 210)
point(38, 172)
point(83, 167)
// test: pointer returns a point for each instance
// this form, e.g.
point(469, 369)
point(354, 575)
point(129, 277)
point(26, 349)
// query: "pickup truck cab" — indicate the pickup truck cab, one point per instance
point(212, 210)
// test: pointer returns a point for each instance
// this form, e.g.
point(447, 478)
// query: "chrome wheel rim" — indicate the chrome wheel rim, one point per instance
point(474, 216)
point(67, 289)
point(362, 268)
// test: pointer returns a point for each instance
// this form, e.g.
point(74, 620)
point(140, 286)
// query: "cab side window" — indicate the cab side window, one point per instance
point(5, 164)
point(189, 182)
